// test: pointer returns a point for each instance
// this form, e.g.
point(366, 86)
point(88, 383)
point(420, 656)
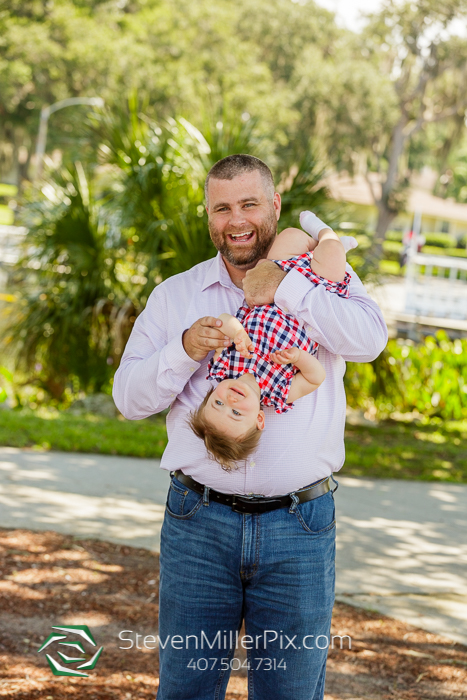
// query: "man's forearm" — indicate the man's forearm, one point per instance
point(147, 385)
point(353, 328)
point(154, 368)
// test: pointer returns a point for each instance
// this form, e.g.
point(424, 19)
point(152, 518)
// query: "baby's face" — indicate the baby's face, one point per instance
point(234, 406)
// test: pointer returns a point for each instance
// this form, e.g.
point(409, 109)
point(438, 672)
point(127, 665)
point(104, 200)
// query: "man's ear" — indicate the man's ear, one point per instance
point(277, 204)
point(260, 421)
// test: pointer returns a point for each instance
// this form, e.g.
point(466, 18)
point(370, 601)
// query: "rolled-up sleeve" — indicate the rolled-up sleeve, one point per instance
point(353, 328)
point(154, 368)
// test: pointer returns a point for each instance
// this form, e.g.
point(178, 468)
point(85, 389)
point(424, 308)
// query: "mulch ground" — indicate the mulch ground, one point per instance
point(50, 579)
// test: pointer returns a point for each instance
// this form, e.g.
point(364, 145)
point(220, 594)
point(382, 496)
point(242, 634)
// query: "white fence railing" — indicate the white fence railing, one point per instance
point(436, 287)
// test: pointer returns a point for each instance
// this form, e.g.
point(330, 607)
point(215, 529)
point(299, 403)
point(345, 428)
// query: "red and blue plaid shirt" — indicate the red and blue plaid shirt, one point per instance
point(271, 330)
point(301, 263)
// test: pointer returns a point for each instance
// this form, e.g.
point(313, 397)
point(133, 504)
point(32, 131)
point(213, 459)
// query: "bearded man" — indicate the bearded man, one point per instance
point(256, 544)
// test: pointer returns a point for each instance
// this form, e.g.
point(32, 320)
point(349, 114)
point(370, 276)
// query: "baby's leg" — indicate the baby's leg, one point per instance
point(289, 243)
point(329, 255)
point(232, 327)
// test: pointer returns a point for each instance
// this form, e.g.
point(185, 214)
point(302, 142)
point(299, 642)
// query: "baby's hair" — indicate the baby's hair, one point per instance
point(224, 450)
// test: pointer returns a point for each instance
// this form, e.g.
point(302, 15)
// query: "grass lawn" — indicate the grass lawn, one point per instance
point(399, 450)
point(68, 433)
point(434, 451)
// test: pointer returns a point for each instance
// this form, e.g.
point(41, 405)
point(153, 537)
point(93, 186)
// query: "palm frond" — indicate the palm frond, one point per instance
point(101, 236)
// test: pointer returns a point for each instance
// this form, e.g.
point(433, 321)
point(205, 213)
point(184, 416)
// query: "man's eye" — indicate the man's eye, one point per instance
point(250, 204)
point(219, 403)
point(236, 413)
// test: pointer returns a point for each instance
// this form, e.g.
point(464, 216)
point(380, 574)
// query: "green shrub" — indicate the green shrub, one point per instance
point(392, 250)
point(394, 236)
point(456, 252)
point(389, 267)
point(433, 250)
point(440, 240)
point(430, 378)
point(449, 252)
point(6, 215)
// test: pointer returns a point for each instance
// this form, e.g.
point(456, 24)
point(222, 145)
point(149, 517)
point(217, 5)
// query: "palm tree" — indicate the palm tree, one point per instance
point(102, 236)
point(66, 268)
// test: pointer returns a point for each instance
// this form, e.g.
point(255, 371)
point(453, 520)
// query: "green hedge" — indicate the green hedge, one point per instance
point(456, 252)
point(440, 240)
point(392, 250)
point(394, 236)
point(430, 378)
point(450, 252)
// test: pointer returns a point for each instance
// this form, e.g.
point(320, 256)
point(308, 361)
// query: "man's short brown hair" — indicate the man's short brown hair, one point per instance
point(223, 449)
point(238, 164)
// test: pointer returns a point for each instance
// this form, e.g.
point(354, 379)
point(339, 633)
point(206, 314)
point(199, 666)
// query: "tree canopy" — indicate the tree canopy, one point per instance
point(388, 99)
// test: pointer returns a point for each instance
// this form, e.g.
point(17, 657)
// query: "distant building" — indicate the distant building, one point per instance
point(10, 243)
point(438, 215)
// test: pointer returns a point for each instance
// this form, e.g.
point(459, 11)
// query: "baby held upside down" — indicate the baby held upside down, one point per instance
point(271, 360)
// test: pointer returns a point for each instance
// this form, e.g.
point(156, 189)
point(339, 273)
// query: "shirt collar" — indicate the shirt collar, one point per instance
point(217, 273)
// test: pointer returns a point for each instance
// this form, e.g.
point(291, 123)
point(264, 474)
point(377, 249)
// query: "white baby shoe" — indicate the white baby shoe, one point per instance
point(348, 242)
point(312, 225)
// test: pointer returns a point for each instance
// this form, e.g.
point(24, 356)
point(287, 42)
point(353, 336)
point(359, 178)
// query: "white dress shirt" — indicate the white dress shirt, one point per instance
point(296, 448)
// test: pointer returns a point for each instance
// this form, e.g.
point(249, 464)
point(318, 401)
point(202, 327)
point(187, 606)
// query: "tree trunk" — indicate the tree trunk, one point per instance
point(386, 212)
point(385, 216)
point(55, 387)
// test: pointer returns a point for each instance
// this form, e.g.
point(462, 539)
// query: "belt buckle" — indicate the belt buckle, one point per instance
point(253, 499)
point(240, 499)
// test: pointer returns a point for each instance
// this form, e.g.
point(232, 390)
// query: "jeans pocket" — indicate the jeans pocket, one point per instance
point(182, 502)
point(317, 516)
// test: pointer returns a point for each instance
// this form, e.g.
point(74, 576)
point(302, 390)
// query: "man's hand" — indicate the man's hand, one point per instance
point(203, 336)
point(260, 283)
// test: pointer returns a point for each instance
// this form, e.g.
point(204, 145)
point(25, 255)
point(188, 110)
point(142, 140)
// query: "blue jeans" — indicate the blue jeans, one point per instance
point(275, 571)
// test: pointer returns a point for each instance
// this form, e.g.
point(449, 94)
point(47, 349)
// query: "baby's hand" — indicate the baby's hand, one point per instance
point(285, 357)
point(243, 344)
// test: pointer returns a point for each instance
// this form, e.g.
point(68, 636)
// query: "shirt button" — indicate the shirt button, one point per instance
point(192, 369)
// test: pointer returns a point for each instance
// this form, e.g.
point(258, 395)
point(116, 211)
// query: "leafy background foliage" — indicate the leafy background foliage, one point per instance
point(121, 204)
point(102, 234)
point(429, 378)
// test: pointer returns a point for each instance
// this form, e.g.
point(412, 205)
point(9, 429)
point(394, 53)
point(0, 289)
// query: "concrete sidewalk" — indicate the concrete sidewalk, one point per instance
point(402, 546)
point(402, 550)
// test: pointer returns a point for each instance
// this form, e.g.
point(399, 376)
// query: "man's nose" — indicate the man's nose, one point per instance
point(237, 216)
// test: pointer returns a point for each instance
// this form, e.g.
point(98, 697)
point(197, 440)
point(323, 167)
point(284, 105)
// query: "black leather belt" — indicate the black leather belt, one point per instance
point(252, 504)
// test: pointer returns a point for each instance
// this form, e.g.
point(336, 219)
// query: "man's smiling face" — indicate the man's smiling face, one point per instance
point(242, 217)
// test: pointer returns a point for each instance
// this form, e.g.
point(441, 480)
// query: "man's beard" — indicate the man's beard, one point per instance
point(242, 257)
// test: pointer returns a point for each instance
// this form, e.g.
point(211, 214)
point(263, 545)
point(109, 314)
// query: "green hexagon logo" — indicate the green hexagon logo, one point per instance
point(71, 647)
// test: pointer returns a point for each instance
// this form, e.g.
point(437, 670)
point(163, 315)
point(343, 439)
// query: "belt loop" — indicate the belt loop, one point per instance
point(336, 483)
point(206, 496)
point(295, 502)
